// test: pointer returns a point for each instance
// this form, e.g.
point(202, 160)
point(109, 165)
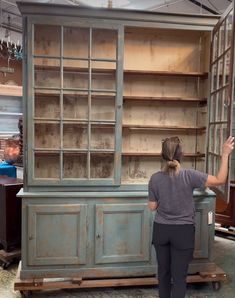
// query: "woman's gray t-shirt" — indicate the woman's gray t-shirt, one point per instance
point(174, 195)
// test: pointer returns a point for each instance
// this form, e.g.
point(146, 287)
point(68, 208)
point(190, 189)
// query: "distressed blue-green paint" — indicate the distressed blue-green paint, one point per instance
point(61, 99)
point(126, 17)
point(57, 234)
point(119, 221)
point(116, 213)
point(122, 233)
point(119, 105)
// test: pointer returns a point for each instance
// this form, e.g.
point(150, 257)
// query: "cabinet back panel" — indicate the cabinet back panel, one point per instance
point(47, 106)
point(47, 166)
point(138, 170)
point(150, 85)
point(158, 113)
point(162, 49)
point(47, 135)
point(151, 141)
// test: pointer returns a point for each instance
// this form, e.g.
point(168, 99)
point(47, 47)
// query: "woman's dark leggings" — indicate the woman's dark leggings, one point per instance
point(174, 245)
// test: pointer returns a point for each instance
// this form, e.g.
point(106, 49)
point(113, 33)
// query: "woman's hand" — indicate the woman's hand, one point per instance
point(221, 177)
point(152, 205)
point(228, 146)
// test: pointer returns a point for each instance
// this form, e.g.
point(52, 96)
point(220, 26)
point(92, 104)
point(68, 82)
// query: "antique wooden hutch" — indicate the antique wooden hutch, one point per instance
point(102, 88)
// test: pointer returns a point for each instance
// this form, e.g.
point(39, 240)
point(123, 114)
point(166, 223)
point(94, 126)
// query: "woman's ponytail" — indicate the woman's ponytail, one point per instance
point(171, 154)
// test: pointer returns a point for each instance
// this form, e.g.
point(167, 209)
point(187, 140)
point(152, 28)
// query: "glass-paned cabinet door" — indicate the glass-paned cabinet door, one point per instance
point(221, 96)
point(76, 87)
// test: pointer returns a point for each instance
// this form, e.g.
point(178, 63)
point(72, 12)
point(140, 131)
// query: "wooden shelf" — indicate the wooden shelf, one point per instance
point(75, 69)
point(127, 97)
point(162, 98)
point(160, 127)
point(10, 90)
point(125, 71)
point(38, 120)
point(166, 73)
point(57, 95)
point(157, 154)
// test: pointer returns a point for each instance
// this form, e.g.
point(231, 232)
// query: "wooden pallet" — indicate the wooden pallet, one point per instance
point(25, 286)
point(7, 258)
point(226, 231)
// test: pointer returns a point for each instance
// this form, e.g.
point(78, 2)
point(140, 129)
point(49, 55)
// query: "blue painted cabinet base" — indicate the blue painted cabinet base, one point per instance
point(97, 235)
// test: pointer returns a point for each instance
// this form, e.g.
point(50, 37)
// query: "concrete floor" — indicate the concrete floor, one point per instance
point(224, 256)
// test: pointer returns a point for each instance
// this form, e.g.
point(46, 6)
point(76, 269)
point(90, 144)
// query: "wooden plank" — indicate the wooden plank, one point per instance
point(157, 154)
point(166, 73)
point(60, 283)
point(10, 90)
point(7, 256)
point(161, 127)
point(225, 231)
point(126, 71)
point(163, 98)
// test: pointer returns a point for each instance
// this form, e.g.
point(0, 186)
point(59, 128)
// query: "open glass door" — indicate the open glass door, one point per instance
point(221, 95)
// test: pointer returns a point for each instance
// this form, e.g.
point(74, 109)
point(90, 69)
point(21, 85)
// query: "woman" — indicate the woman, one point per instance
point(171, 193)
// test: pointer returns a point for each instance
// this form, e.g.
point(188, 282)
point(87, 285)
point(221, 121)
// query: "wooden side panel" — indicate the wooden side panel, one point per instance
point(204, 233)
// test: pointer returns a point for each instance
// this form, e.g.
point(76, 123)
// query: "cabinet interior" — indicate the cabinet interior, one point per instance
point(165, 89)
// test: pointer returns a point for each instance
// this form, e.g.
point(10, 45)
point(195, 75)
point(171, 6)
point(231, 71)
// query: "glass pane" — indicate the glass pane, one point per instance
point(104, 43)
point(47, 74)
point(47, 105)
point(220, 106)
point(75, 165)
point(102, 137)
point(222, 38)
point(47, 40)
point(215, 46)
point(229, 28)
point(75, 136)
point(75, 105)
point(219, 134)
point(214, 77)
point(212, 107)
point(47, 165)
point(47, 135)
point(227, 67)
point(101, 77)
point(102, 107)
point(225, 105)
point(76, 42)
point(75, 65)
point(211, 160)
point(220, 72)
point(233, 161)
point(102, 165)
point(212, 138)
point(75, 74)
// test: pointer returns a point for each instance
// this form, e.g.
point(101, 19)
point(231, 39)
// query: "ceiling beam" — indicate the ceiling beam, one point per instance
point(195, 2)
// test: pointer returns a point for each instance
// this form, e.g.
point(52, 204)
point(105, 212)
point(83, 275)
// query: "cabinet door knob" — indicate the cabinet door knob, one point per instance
point(98, 236)
point(30, 237)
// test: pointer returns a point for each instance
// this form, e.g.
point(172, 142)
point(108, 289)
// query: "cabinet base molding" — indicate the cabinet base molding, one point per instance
point(32, 284)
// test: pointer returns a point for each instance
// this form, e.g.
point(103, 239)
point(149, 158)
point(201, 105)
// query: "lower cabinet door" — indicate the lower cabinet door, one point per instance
point(57, 234)
point(122, 233)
